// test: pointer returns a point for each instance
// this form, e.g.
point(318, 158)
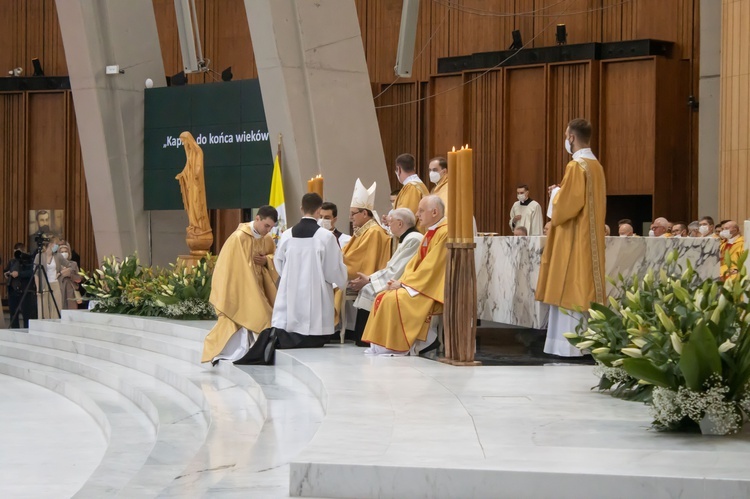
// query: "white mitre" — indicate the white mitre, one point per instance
point(364, 199)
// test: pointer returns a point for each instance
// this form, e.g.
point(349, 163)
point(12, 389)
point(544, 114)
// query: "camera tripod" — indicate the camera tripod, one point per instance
point(41, 274)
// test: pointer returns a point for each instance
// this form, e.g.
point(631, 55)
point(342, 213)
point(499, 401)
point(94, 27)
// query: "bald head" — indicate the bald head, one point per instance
point(730, 229)
point(626, 230)
point(660, 226)
point(431, 210)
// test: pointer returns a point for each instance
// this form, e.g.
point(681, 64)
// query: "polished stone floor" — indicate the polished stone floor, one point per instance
point(147, 420)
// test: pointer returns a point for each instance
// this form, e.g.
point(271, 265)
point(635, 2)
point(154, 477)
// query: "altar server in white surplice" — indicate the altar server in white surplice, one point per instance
point(310, 262)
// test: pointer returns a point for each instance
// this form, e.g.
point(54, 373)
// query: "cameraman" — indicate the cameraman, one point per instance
point(19, 273)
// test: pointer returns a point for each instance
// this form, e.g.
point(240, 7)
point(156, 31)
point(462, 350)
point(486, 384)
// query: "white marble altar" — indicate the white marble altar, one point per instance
point(508, 269)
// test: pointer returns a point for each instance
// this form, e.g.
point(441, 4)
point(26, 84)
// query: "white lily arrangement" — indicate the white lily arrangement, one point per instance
point(680, 344)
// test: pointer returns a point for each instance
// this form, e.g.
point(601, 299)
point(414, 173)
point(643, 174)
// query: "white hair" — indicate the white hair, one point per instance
point(435, 202)
point(405, 215)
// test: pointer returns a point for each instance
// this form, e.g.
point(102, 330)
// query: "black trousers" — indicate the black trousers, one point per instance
point(27, 306)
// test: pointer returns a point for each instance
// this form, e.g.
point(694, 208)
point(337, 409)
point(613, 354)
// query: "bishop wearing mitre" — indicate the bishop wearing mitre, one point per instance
point(400, 320)
point(243, 289)
point(370, 246)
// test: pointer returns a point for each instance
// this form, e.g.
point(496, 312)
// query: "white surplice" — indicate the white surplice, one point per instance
point(308, 266)
point(406, 249)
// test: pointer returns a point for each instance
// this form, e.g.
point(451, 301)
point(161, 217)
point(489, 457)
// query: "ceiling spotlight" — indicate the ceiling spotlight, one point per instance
point(517, 41)
point(16, 71)
point(38, 71)
point(227, 75)
point(561, 35)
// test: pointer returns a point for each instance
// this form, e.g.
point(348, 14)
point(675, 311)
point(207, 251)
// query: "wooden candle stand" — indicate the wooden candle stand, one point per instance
point(460, 310)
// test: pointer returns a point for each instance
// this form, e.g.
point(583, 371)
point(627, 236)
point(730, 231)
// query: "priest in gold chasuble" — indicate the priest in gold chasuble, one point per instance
point(243, 289)
point(572, 271)
point(399, 323)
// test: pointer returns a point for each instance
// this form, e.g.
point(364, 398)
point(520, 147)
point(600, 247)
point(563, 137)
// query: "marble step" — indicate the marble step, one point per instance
point(178, 348)
point(131, 433)
point(188, 330)
point(131, 360)
point(238, 407)
point(182, 425)
point(294, 415)
point(40, 459)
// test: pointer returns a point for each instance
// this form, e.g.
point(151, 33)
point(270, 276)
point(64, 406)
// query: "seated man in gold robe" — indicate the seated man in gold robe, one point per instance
point(369, 249)
point(732, 246)
point(401, 316)
point(243, 289)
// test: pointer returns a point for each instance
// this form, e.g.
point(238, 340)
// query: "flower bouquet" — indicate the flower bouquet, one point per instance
point(677, 343)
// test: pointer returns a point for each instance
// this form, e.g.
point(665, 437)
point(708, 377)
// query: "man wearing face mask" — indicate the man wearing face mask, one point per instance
point(329, 214)
point(660, 227)
point(679, 229)
point(732, 245)
point(526, 213)
point(402, 224)
point(706, 227)
point(439, 176)
point(572, 270)
point(243, 289)
point(413, 189)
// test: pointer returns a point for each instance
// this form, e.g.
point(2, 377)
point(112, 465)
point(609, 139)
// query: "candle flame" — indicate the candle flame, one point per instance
point(454, 148)
point(467, 146)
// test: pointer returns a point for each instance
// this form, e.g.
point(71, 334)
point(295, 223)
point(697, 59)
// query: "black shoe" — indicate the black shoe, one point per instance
point(433, 346)
point(361, 343)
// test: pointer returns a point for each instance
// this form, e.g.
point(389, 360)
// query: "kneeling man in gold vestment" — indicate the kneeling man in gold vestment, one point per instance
point(243, 289)
point(401, 316)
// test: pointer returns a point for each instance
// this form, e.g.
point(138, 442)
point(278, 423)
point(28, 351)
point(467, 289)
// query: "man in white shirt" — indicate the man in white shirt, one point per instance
point(526, 213)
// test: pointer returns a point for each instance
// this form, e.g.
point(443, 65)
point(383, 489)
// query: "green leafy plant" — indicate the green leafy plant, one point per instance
point(178, 292)
point(676, 342)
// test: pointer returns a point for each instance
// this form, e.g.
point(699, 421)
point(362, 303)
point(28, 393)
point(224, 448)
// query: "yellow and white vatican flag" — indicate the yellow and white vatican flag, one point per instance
point(276, 198)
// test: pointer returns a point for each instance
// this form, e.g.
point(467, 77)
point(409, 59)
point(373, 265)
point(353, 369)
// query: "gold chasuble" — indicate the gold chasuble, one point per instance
point(409, 197)
point(242, 292)
point(398, 319)
point(441, 190)
point(572, 270)
point(735, 249)
point(368, 250)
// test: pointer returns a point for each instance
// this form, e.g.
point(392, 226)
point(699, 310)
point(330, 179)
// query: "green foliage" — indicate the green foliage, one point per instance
point(178, 292)
point(674, 331)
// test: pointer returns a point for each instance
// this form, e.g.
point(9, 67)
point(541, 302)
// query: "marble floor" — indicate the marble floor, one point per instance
point(149, 421)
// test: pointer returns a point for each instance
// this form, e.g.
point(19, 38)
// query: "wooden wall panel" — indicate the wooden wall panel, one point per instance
point(627, 125)
point(484, 135)
point(734, 145)
point(525, 143)
point(402, 139)
point(572, 93)
point(13, 178)
point(47, 149)
point(446, 113)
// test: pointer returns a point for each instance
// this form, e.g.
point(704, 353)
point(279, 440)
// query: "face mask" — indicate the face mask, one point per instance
point(677, 236)
point(568, 147)
point(623, 235)
point(434, 177)
point(521, 197)
point(651, 233)
point(55, 247)
point(703, 229)
point(65, 255)
point(325, 223)
point(724, 234)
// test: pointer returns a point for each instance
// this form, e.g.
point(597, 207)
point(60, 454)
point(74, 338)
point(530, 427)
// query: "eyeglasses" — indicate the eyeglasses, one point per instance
point(352, 213)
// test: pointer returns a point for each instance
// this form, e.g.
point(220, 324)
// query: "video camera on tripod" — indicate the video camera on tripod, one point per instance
point(41, 238)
